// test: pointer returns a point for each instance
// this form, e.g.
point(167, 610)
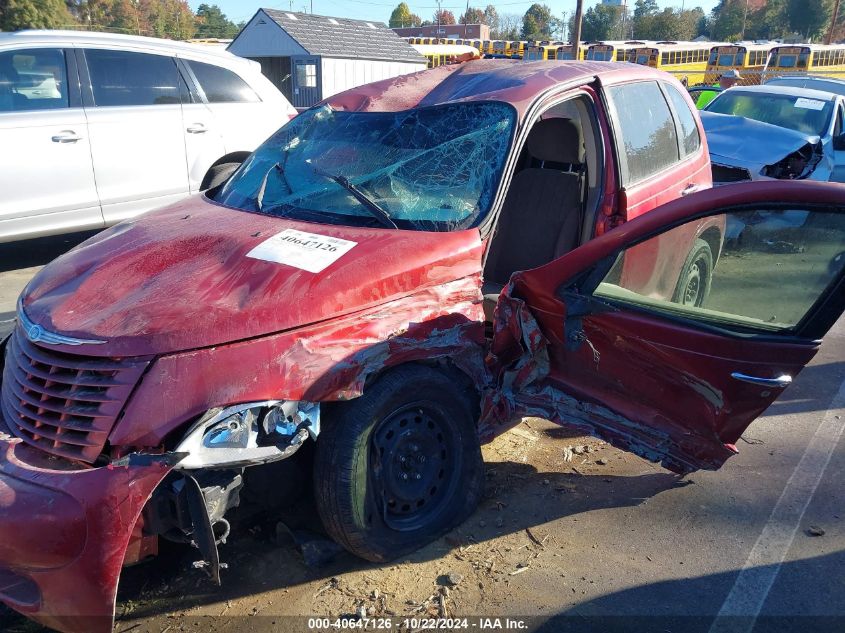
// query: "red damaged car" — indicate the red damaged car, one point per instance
point(355, 285)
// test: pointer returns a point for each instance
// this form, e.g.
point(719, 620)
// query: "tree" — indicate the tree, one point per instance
point(643, 20)
point(809, 17)
point(728, 19)
point(33, 14)
point(212, 22)
point(443, 16)
point(537, 23)
point(507, 27)
point(402, 16)
point(769, 22)
point(491, 17)
point(602, 22)
point(472, 16)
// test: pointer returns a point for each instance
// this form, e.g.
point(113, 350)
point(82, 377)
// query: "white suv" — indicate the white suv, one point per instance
point(95, 127)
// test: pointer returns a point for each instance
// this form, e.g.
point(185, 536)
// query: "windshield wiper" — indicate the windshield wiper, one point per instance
point(259, 196)
point(368, 203)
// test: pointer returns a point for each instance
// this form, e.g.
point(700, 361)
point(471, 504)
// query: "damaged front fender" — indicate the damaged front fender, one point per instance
point(64, 534)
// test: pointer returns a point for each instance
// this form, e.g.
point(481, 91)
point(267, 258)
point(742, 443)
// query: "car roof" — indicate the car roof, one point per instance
point(789, 91)
point(512, 81)
point(812, 82)
point(65, 38)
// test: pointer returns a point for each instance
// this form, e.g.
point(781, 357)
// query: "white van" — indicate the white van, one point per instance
point(97, 127)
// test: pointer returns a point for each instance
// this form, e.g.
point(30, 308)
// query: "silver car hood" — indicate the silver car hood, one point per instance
point(736, 140)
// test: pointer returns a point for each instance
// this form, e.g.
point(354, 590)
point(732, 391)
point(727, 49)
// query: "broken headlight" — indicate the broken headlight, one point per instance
point(798, 165)
point(249, 434)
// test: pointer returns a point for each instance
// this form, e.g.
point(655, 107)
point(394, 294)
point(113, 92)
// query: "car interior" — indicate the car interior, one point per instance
point(552, 198)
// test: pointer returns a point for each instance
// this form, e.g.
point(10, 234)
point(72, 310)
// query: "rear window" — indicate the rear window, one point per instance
point(122, 78)
point(221, 85)
point(645, 130)
point(690, 141)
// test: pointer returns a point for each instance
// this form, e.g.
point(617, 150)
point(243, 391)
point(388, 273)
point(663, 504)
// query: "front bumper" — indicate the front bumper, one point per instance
point(64, 532)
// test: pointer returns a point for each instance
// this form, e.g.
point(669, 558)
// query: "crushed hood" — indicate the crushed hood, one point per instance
point(180, 278)
point(736, 140)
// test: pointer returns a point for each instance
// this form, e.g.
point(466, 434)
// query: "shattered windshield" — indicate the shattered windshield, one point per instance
point(801, 114)
point(429, 169)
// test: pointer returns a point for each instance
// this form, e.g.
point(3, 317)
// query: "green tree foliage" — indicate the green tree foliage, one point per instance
point(602, 22)
point(809, 18)
point(402, 16)
point(33, 14)
point(538, 23)
point(212, 22)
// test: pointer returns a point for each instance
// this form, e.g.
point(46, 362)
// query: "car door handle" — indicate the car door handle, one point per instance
point(66, 136)
point(781, 381)
point(197, 128)
point(691, 189)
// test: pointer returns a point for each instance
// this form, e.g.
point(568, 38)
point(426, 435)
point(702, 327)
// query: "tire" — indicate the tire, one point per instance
point(400, 466)
point(217, 175)
point(696, 275)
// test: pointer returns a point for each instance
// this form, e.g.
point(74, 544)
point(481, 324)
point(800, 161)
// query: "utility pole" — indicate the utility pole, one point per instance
point(829, 37)
point(576, 28)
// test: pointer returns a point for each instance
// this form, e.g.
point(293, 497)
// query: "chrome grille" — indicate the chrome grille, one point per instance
point(65, 404)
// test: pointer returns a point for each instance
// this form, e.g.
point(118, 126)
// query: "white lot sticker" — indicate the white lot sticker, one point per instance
point(809, 104)
point(299, 249)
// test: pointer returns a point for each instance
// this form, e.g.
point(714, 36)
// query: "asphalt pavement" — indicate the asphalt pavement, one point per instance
point(760, 542)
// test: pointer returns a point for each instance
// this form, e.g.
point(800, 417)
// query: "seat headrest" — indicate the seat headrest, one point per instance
point(556, 141)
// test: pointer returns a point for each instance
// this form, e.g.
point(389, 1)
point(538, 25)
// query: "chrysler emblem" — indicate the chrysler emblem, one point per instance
point(34, 333)
point(38, 334)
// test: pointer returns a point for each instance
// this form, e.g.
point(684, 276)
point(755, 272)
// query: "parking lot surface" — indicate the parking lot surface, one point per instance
point(568, 527)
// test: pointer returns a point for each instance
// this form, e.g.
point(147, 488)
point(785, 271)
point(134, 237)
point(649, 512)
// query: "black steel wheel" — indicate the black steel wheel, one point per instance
point(413, 458)
point(696, 275)
point(399, 466)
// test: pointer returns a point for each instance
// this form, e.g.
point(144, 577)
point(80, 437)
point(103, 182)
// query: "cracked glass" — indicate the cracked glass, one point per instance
point(426, 169)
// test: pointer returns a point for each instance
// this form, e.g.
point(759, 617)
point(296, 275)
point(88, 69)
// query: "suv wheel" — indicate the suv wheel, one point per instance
point(217, 175)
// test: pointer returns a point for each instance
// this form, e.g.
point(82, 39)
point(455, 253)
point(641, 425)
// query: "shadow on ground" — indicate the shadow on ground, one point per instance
point(38, 251)
point(665, 606)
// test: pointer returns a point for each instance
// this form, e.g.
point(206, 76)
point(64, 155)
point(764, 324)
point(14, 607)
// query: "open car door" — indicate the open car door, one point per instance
point(669, 335)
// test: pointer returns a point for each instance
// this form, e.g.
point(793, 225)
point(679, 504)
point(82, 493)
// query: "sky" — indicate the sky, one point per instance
point(379, 10)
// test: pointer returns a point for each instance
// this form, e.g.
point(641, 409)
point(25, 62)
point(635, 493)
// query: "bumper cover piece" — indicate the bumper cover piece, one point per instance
point(64, 531)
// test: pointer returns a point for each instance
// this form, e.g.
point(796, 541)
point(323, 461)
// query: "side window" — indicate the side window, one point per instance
point(221, 85)
point(837, 127)
point(646, 130)
point(759, 270)
point(122, 78)
point(33, 79)
point(690, 141)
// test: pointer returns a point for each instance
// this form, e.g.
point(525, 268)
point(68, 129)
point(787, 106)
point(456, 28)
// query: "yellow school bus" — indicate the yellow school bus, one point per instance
point(747, 58)
point(687, 61)
point(564, 51)
point(539, 53)
point(442, 54)
point(800, 59)
point(508, 48)
point(613, 51)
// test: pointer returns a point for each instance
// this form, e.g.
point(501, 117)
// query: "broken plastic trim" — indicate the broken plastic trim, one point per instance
point(249, 434)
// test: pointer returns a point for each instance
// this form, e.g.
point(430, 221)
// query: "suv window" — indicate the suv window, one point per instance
point(121, 78)
point(33, 79)
point(691, 141)
point(646, 130)
point(221, 85)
